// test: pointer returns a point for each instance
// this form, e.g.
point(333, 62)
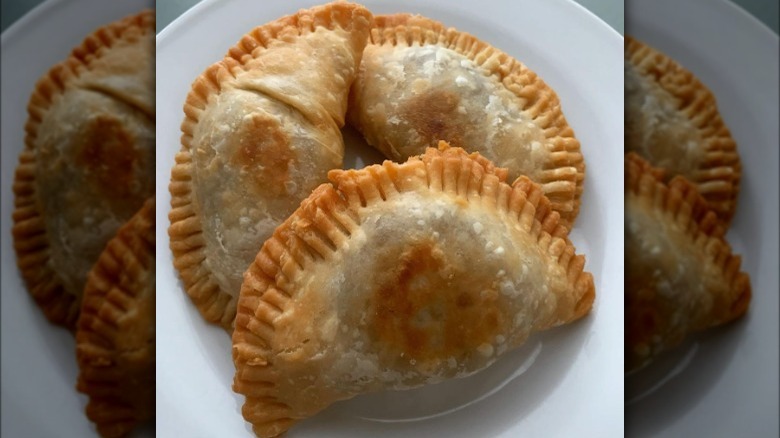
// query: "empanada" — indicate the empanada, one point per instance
point(420, 82)
point(88, 162)
point(672, 121)
point(399, 275)
point(681, 276)
point(261, 131)
point(115, 331)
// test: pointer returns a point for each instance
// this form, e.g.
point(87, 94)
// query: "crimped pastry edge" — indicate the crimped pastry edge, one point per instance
point(718, 178)
point(680, 201)
point(562, 187)
point(326, 220)
point(109, 294)
point(29, 232)
point(185, 230)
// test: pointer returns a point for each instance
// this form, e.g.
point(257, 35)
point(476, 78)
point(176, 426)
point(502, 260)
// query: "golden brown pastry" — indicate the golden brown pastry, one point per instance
point(681, 276)
point(421, 82)
point(399, 275)
point(115, 331)
point(672, 120)
point(261, 131)
point(88, 162)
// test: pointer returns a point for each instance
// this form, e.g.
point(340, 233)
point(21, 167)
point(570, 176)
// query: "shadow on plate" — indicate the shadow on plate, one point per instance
point(662, 393)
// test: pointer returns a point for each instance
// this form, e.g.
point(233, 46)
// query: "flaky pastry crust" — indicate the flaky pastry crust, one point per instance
point(116, 329)
point(681, 276)
point(421, 82)
point(88, 161)
point(395, 276)
point(261, 131)
point(672, 120)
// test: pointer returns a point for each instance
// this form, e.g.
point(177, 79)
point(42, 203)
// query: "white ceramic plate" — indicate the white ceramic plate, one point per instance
point(574, 373)
point(723, 383)
point(39, 367)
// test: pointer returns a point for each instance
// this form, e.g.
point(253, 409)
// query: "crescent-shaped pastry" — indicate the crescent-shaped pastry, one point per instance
point(88, 162)
point(115, 331)
point(672, 121)
point(420, 82)
point(681, 276)
point(261, 131)
point(399, 275)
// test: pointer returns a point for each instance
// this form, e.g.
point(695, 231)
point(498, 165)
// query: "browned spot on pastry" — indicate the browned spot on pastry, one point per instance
point(264, 151)
point(433, 115)
point(425, 309)
point(109, 156)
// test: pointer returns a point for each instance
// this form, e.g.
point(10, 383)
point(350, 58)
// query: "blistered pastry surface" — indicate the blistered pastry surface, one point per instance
point(415, 96)
point(657, 129)
point(681, 276)
point(94, 169)
point(672, 120)
point(88, 163)
point(261, 131)
point(418, 298)
point(115, 334)
point(396, 276)
point(254, 160)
